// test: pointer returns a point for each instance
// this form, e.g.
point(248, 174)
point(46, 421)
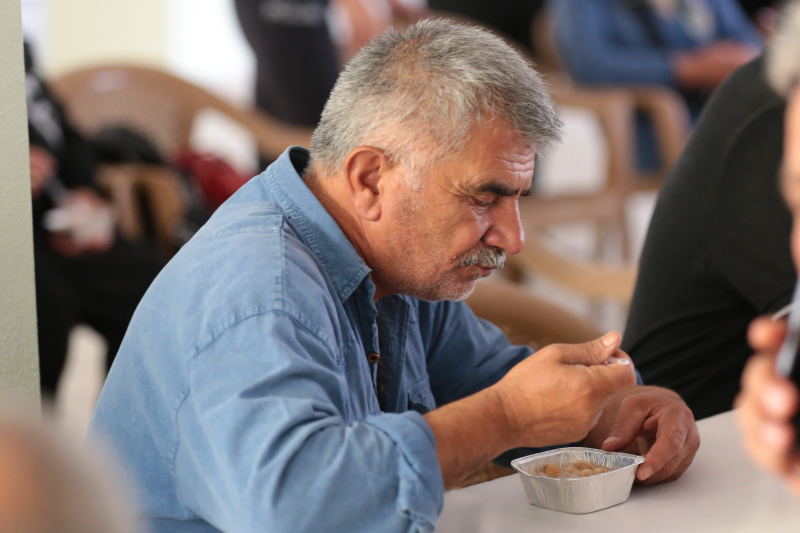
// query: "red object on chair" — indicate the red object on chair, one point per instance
point(216, 179)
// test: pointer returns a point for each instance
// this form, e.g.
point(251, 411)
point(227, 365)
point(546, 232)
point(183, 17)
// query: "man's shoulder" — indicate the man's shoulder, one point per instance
point(248, 260)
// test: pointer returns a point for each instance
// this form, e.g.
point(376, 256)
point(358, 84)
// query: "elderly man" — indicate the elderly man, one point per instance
point(304, 364)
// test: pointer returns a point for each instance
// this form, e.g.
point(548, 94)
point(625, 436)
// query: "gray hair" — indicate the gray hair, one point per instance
point(419, 93)
point(783, 59)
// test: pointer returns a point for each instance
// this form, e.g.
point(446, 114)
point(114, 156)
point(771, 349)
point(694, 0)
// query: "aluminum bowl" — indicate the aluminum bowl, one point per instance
point(583, 494)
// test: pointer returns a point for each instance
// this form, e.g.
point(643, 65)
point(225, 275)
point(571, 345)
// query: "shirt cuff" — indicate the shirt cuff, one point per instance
point(421, 491)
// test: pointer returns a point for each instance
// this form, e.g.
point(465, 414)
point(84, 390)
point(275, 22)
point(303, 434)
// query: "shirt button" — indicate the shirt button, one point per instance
point(372, 357)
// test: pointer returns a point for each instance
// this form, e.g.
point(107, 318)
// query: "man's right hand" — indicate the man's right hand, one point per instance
point(557, 395)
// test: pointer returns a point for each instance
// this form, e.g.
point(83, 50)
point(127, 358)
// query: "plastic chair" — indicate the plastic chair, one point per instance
point(161, 107)
point(128, 184)
point(664, 106)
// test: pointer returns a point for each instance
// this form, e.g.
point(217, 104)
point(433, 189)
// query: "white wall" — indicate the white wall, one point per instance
point(205, 45)
point(81, 33)
point(19, 368)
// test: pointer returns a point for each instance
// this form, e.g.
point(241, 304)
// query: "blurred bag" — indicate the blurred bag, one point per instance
point(216, 179)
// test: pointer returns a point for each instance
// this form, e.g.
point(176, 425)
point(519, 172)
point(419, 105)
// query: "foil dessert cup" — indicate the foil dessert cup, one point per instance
point(578, 495)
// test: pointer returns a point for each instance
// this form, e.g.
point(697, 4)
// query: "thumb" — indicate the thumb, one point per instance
point(625, 429)
point(592, 353)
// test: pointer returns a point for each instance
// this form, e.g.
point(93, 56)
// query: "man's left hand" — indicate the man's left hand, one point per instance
point(653, 422)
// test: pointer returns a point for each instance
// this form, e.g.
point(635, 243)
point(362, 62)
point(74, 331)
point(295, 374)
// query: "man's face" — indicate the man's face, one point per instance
point(437, 241)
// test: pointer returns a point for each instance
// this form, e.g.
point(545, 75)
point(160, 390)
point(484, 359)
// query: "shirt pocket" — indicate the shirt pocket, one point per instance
point(420, 397)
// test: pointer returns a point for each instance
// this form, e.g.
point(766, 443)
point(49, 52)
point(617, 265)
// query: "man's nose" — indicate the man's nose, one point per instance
point(506, 231)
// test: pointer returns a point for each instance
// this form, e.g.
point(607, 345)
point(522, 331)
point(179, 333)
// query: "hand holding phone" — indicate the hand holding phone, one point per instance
point(788, 362)
point(768, 403)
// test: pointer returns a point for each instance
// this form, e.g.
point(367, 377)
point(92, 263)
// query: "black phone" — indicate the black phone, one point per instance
point(788, 362)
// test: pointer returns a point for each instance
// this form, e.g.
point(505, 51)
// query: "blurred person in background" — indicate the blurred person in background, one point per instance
point(84, 272)
point(50, 485)
point(763, 13)
point(299, 46)
point(514, 18)
point(307, 363)
point(769, 402)
point(716, 254)
point(690, 45)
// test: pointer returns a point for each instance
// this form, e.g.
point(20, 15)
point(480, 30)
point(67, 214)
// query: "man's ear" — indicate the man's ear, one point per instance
point(364, 168)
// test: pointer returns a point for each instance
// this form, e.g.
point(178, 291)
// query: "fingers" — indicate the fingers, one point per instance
point(767, 442)
point(617, 374)
point(670, 448)
point(628, 424)
point(776, 396)
point(766, 406)
point(684, 454)
point(765, 335)
point(659, 413)
point(590, 353)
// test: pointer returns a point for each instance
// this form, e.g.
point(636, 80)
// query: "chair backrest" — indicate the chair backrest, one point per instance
point(526, 319)
point(128, 184)
point(159, 106)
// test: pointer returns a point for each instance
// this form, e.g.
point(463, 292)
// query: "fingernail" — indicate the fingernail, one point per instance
point(609, 339)
point(610, 441)
point(645, 472)
point(617, 361)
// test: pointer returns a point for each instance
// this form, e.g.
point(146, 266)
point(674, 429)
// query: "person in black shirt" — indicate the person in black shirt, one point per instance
point(512, 17)
point(296, 60)
point(717, 251)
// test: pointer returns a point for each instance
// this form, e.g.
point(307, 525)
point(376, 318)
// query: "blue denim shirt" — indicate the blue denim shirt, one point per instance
point(242, 398)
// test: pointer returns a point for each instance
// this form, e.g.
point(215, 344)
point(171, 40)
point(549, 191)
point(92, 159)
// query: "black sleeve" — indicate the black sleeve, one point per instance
point(717, 250)
point(750, 234)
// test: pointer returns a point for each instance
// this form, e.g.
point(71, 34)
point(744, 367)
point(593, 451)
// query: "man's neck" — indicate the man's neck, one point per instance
point(331, 192)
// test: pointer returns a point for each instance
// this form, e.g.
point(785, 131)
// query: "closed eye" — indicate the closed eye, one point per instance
point(481, 203)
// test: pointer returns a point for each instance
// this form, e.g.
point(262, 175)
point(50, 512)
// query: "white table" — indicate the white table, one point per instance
point(721, 492)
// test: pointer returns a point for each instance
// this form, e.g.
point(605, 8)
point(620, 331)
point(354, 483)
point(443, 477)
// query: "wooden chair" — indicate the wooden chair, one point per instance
point(663, 105)
point(161, 107)
point(129, 184)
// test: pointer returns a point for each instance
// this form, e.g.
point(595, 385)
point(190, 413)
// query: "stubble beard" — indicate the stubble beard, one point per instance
point(451, 285)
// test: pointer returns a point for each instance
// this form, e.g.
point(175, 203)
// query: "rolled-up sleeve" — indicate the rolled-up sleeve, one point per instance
point(265, 445)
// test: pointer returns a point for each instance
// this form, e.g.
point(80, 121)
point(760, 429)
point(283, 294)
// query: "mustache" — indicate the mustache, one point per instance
point(487, 257)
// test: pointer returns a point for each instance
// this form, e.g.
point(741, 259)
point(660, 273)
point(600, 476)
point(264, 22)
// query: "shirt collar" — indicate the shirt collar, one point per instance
point(319, 230)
